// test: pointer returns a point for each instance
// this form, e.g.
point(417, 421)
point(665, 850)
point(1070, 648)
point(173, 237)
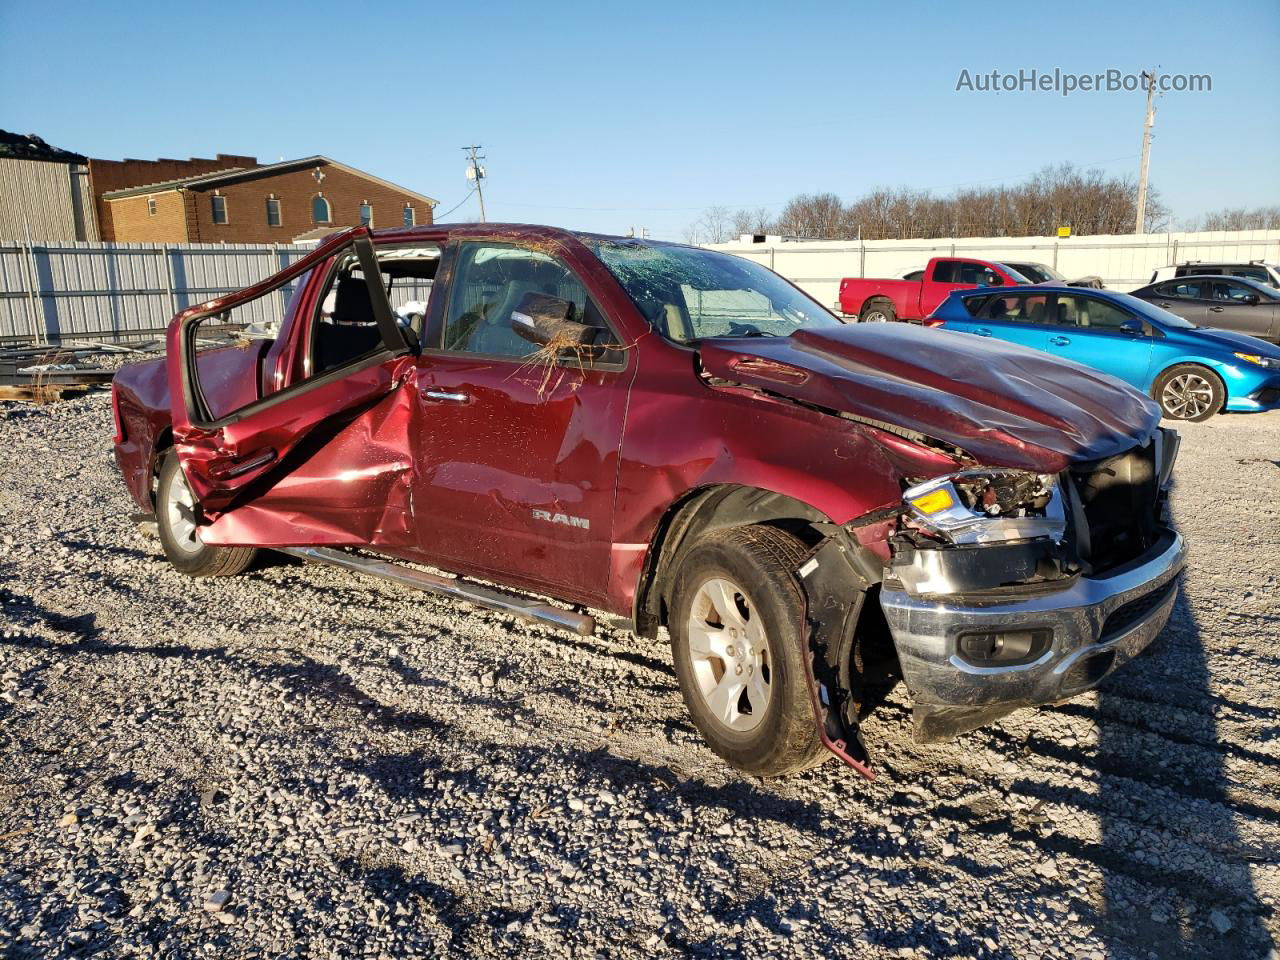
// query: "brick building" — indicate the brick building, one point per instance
point(234, 199)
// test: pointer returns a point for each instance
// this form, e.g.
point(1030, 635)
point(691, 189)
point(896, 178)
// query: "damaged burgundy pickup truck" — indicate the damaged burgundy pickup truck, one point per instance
point(682, 439)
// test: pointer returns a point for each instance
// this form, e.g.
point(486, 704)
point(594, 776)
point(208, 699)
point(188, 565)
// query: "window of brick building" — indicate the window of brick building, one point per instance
point(320, 210)
point(273, 212)
point(151, 206)
point(366, 214)
point(218, 207)
point(408, 215)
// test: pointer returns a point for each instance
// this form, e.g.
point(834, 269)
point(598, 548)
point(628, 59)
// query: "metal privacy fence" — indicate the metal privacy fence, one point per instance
point(127, 291)
point(1124, 262)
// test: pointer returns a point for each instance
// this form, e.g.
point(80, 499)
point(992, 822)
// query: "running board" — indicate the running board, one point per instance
point(526, 609)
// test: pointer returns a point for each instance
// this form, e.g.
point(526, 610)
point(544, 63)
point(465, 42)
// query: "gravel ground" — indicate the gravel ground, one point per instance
point(298, 762)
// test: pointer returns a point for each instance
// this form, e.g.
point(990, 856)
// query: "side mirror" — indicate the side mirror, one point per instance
point(546, 321)
point(995, 280)
point(1132, 327)
point(1251, 298)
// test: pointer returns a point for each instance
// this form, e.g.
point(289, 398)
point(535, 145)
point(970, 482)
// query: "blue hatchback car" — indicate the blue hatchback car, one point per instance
point(1192, 372)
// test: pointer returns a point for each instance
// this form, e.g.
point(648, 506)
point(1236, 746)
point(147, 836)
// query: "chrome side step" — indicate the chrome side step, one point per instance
point(526, 609)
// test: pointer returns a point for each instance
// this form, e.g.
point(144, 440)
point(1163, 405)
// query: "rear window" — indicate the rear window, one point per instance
point(946, 271)
point(1183, 290)
point(1023, 309)
point(1253, 273)
point(959, 271)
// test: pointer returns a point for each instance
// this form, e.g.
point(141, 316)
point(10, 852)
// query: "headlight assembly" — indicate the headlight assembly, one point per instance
point(1267, 363)
point(988, 506)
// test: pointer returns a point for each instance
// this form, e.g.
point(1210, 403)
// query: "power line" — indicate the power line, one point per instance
point(438, 217)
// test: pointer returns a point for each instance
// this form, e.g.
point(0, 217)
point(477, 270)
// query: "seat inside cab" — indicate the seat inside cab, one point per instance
point(346, 328)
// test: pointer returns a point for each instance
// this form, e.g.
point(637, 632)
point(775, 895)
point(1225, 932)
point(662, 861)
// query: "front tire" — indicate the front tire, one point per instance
point(179, 535)
point(737, 630)
point(878, 311)
point(1189, 391)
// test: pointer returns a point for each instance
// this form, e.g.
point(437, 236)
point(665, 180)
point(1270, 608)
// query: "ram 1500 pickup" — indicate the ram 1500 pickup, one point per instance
point(573, 425)
point(873, 300)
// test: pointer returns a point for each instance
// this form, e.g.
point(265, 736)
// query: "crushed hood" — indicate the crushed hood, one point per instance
point(1003, 404)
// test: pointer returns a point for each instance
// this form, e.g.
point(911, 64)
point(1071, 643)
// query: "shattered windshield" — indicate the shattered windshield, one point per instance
point(690, 294)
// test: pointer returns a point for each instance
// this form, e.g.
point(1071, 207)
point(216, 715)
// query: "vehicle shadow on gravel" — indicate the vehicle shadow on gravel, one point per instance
point(1160, 763)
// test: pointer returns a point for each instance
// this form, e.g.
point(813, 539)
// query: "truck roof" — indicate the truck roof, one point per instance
point(521, 231)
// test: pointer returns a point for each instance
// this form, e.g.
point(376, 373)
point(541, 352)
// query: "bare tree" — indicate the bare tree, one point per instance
point(817, 216)
point(1260, 218)
point(752, 221)
point(714, 226)
point(1062, 195)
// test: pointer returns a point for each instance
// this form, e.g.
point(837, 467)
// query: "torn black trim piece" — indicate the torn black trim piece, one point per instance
point(835, 592)
point(937, 722)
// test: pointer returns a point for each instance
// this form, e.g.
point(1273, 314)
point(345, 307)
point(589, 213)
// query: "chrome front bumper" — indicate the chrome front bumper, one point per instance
point(1097, 624)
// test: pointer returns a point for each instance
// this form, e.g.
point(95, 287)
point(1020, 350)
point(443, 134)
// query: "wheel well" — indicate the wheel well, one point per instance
point(712, 508)
point(877, 299)
point(164, 440)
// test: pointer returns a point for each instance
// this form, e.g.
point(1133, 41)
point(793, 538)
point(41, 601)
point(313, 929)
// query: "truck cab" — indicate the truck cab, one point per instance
point(884, 300)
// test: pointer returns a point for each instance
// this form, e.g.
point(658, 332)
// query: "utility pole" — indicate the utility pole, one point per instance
point(1147, 124)
point(475, 173)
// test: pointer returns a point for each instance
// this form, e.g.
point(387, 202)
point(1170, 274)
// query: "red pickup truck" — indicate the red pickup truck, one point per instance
point(572, 424)
point(873, 300)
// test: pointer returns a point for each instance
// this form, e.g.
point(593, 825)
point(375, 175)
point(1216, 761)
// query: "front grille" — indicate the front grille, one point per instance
point(1119, 498)
point(1135, 611)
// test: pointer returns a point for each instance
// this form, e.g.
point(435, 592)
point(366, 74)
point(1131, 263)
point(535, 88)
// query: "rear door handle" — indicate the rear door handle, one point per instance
point(444, 396)
point(1216, 309)
point(982, 331)
point(1163, 306)
point(1060, 341)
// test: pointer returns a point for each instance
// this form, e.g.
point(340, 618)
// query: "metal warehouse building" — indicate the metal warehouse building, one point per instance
point(44, 192)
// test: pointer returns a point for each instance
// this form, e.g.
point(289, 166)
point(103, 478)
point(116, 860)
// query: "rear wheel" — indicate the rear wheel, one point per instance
point(179, 535)
point(878, 311)
point(1189, 392)
point(737, 630)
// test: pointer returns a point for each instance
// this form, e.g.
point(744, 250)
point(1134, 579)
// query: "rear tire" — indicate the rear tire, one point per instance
point(878, 311)
point(179, 536)
point(1189, 391)
point(740, 667)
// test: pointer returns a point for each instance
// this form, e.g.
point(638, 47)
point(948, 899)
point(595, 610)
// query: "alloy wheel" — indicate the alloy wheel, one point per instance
point(180, 514)
point(1187, 396)
point(729, 655)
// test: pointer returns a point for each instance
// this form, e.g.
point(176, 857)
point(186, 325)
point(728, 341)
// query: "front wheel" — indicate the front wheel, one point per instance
point(180, 536)
point(737, 631)
point(1189, 392)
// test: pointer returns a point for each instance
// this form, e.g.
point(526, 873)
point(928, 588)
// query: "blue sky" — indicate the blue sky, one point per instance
point(603, 116)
